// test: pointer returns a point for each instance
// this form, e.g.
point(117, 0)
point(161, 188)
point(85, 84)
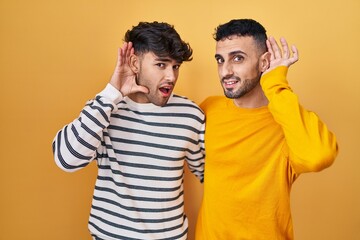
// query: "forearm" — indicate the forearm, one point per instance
point(196, 164)
point(312, 147)
point(76, 144)
point(196, 157)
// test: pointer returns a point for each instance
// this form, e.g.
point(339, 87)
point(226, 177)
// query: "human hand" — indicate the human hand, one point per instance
point(124, 78)
point(278, 57)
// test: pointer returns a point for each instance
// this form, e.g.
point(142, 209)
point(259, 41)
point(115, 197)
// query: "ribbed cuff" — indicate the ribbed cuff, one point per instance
point(111, 93)
point(277, 75)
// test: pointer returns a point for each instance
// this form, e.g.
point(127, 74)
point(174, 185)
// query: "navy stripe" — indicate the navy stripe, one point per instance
point(120, 237)
point(151, 189)
point(80, 140)
point(116, 236)
point(89, 131)
point(143, 177)
point(71, 149)
point(93, 119)
point(153, 145)
point(61, 159)
point(160, 135)
point(136, 220)
point(148, 144)
point(146, 166)
point(196, 172)
point(119, 226)
point(101, 111)
point(137, 165)
point(183, 105)
point(98, 100)
point(196, 159)
point(168, 114)
point(141, 199)
point(156, 124)
point(147, 155)
point(53, 147)
point(195, 166)
point(137, 209)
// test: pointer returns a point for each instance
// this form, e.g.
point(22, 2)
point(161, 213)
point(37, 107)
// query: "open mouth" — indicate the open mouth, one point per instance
point(166, 90)
point(230, 84)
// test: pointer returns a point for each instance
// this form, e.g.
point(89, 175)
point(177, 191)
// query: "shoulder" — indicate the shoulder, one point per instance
point(183, 103)
point(213, 101)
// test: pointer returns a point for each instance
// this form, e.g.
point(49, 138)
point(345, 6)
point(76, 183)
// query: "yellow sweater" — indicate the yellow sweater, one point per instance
point(253, 156)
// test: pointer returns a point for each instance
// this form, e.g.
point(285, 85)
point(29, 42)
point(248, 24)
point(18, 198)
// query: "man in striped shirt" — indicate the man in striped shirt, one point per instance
point(141, 135)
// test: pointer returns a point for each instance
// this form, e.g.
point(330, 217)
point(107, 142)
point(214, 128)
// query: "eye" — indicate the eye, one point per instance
point(176, 67)
point(219, 60)
point(238, 58)
point(160, 65)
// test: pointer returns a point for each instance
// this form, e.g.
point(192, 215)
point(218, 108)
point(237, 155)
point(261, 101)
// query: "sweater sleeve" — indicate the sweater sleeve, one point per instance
point(312, 147)
point(76, 144)
point(196, 157)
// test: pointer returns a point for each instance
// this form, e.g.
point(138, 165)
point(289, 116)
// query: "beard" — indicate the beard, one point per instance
point(247, 86)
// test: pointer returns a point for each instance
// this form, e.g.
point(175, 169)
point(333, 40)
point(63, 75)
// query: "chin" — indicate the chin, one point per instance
point(231, 94)
point(160, 103)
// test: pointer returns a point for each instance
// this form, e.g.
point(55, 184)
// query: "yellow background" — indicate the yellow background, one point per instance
point(55, 55)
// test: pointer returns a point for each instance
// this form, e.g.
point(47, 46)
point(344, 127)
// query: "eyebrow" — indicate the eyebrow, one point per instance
point(166, 59)
point(232, 53)
point(163, 59)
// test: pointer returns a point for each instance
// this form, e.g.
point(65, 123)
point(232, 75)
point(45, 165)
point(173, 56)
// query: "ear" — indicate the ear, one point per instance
point(134, 63)
point(264, 62)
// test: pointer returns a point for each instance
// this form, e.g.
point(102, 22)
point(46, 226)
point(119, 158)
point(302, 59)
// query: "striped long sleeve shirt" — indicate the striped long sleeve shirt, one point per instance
point(140, 150)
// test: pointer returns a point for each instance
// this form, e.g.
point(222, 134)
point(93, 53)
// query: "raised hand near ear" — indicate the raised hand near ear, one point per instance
point(281, 57)
point(124, 78)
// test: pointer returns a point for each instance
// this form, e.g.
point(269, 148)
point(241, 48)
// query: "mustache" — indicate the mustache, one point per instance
point(168, 83)
point(232, 77)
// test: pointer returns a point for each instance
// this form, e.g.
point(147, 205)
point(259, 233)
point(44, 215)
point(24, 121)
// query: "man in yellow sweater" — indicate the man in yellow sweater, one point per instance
point(258, 139)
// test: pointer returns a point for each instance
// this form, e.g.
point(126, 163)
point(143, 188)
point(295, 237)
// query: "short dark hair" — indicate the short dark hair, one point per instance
point(242, 28)
point(160, 38)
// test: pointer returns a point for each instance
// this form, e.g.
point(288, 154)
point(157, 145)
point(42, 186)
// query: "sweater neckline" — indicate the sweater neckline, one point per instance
point(142, 106)
point(231, 104)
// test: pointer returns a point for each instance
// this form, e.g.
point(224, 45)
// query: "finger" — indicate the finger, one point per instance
point(130, 45)
point(285, 47)
point(124, 46)
point(128, 50)
point(295, 56)
point(139, 88)
point(119, 58)
point(122, 53)
point(270, 50)
point(275, 47)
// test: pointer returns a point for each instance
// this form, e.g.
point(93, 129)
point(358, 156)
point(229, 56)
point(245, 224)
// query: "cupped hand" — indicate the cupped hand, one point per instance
point(124, 78)
point(281, 57)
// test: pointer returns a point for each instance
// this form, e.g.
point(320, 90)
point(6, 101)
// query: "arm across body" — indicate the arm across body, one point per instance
point(196, 159)
point(312, 147)
point(76, 144)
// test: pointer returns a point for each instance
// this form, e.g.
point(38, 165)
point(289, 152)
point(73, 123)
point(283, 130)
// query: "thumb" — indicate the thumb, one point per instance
point(138, 88)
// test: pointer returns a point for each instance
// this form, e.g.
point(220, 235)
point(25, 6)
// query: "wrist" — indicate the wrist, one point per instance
point(112, 93)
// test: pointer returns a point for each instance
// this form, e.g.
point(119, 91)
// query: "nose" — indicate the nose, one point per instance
point(171, 75)
point(226, 70)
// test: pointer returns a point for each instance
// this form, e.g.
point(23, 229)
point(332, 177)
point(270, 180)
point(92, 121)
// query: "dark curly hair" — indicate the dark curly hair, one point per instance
point(243, 28)
point(159, 38)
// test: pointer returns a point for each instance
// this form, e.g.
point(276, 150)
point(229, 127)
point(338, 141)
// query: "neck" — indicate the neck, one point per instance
point(254, 99)
point(138, 97)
